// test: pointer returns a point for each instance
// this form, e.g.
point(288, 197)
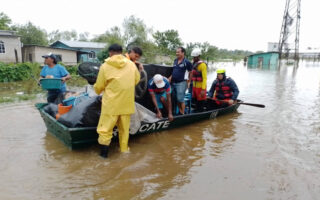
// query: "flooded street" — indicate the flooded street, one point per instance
point(255, 153)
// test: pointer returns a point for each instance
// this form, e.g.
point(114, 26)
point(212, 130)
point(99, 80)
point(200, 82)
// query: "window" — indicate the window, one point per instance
point(30, 57)
point(2, 49)
point(92, 54)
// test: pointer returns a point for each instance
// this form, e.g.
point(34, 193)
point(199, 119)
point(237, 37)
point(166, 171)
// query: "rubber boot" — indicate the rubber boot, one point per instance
point(104, 151)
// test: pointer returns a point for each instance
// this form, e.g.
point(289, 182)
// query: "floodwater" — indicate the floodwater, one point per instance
point(255, 153)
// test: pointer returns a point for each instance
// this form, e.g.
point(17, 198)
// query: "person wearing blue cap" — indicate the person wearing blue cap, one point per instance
point(54, 70)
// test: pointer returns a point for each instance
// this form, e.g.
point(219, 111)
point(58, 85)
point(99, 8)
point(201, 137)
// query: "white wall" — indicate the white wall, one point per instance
point(11, 44)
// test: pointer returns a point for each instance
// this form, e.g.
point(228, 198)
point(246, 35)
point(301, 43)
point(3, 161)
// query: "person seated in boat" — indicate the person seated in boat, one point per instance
point(224, 90)
point(199, 78)
point(134, 55)
point(54, 70)
point(160, 91)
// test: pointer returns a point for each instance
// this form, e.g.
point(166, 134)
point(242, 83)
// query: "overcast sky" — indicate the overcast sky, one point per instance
point(231, 24)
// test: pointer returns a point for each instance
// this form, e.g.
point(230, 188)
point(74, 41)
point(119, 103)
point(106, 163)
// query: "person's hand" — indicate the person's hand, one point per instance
point(202, 93)
point(159, 115)
point(189, 82)
point(231, 101)
point(170, 117)
point(63, 79)
point(169, 79)
point(140, 67)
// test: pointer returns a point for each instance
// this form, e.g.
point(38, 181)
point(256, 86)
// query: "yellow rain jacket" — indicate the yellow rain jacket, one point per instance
point(117, 79)
point(201, 84)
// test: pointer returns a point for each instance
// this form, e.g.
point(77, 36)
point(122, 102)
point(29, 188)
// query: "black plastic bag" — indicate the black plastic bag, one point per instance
point(84, 114)
point(89, 71)
point(51, 109)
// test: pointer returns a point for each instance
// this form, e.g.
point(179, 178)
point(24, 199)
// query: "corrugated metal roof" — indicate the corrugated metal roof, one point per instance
point(80, 44)
point(8, 33)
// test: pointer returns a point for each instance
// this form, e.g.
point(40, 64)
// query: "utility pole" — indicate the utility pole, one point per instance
point(290, 30)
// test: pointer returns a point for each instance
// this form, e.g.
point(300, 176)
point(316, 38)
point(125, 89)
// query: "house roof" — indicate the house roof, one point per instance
point(80, 44)
point(34, 45)
point(8, 33)
point(269, 52)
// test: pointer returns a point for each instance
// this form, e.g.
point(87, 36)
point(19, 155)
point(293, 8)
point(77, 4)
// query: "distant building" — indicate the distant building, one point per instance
point(267, 60)
point(34, 53)
point(86, 51)
point(10, 47)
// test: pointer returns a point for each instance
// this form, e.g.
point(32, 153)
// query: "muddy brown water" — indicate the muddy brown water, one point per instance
point(270, 153)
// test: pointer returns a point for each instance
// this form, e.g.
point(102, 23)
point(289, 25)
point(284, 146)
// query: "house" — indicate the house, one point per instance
point(267, 60)
point(10, 47)
point(86, 51)
point(34, 53)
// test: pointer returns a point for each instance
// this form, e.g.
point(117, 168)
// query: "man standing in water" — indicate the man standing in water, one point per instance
point(180, 78)
point(199, 78)
point(117, 79)
point(223, 90)
point(54, 70)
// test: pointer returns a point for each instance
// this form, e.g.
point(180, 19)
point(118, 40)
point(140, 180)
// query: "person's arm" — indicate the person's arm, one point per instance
point(212, 89)
point(189, 68)
point(67, 77)
point(153, 97)
point(64, 74)
point(234, 89)
point(43, 72)
point(203, 69)
point(101, 82)
point(170, 116)
point(137, 76)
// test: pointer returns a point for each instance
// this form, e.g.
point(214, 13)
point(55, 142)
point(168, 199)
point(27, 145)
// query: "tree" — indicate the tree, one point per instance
point(31, 34)
point(5, 21)
point(168, 41)
point(63, 35)
point(135, 31)
point(84, 36)
point(110, 36)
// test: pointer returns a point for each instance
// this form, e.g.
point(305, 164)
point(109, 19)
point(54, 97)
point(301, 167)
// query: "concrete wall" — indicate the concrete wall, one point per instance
point(11, 45)
point(267, 60)
point(35, 53)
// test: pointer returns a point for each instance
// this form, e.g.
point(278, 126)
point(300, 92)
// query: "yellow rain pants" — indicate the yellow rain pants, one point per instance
point(105, 129)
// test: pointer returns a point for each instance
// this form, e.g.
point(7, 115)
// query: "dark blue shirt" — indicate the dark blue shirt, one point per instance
point(179, 72)
point(152, 88)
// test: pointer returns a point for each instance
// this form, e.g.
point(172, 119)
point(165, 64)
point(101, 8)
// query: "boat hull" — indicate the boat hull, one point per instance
point(75, 138)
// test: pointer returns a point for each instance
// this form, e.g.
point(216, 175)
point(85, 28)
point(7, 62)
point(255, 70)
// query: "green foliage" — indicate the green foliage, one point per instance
point(67, 35)
point(5, 21)
point(31, 34)
point(72, 69)
point(135, 31)
point(167, 41)
point(102, 55)
point(17, 72)
point(111, 36)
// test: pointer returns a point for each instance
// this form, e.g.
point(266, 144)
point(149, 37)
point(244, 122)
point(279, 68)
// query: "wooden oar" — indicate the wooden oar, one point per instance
point(252, 104)
point(243, 103)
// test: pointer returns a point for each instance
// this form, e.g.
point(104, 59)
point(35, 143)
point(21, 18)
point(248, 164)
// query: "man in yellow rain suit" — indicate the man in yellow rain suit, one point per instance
point(199, 78)
point(117, 79)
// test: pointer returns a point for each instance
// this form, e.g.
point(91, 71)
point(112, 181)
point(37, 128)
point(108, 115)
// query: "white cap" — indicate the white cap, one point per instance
point(196, 52)
point(158, 80)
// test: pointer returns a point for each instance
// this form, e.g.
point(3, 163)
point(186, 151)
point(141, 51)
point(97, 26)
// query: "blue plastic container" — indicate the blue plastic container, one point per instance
point(75, 100)
point(51, 83)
